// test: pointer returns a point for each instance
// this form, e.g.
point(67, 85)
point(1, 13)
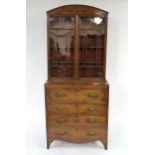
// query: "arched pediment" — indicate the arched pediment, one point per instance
point(77, 9)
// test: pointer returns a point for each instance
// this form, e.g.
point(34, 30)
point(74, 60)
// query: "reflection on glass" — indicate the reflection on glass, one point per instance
point(62, 52)
point(91, 22)
point(61, 46)
point(61, 22)
point(98, 20)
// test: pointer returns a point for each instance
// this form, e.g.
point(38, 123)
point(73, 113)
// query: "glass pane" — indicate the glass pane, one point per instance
point(62, 52)
point(91, 53)
point(92, 22)
point(61, 22)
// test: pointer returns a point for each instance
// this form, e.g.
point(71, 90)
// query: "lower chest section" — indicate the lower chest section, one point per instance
point(76, 112)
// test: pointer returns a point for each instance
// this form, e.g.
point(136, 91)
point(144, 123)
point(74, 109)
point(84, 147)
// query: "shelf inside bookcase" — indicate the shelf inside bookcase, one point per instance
point(61, 71)
point(61, 64)
point(91, 52)
point(91, 71)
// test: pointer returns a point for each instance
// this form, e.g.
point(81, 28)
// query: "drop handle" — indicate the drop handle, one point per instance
point(92, 109)
point(92, 133)
point(61, 120)
point(92, 95)
point(60, 94)
point(92, 120)
point(61, 108)
point(61, 133)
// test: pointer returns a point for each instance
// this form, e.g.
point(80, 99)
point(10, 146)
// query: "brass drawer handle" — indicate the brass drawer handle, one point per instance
point(92, 95)
point(61, 120)
point(61, 94)
point(61, 133)
point(92, 109)
point(61, 108)
point(92, 133)
point(92, 120)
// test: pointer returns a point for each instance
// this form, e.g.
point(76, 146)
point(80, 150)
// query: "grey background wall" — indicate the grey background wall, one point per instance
point(37, 67)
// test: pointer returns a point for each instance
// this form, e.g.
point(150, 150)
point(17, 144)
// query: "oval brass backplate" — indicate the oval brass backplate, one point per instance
point(61, 120)
point(91, 133)
point(60, 94)
point(61, 108)
point(92, 120)
point(61, 133)
point(92, 109)
point(92, 95)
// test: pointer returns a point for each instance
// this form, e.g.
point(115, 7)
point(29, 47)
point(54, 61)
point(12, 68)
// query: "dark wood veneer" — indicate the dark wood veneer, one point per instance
point(76, 92)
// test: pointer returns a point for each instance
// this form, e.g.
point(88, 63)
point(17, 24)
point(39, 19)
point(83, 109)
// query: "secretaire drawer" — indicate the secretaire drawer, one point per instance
point(76, 92)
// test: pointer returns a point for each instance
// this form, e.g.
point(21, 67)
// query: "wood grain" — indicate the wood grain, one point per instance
point(77, 107)
point(89, 108)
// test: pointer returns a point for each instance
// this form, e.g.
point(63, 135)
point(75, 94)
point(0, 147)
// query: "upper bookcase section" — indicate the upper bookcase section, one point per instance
point(77, 9)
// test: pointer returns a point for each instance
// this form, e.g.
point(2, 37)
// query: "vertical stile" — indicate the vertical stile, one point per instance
point(76, 54)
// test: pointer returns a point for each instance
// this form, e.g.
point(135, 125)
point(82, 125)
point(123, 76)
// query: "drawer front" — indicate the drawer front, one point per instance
point(61, 108)
point(76, 119)
point(77, 132)
point(76, 92)
point(76, 108)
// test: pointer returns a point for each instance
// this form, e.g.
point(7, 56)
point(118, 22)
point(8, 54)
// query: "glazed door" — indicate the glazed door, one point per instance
point(76, 46)
point(91, 49)
point(61, 46)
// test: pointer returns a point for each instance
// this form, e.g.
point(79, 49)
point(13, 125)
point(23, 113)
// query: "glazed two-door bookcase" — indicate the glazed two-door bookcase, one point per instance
point(76, 92)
